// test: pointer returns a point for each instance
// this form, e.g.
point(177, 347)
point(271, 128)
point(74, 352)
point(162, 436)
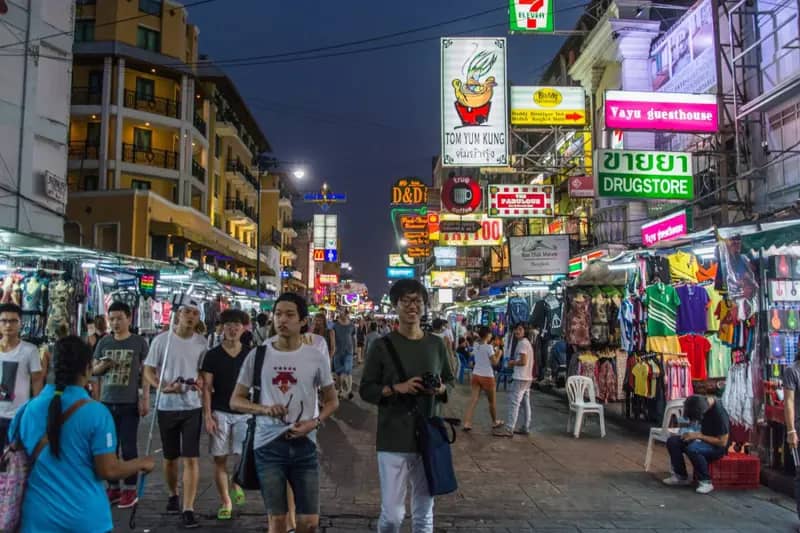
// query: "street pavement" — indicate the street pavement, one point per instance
point(547, 482)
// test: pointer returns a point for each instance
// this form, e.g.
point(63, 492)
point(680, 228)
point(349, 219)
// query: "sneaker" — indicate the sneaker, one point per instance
point(128, 499)
point(502, 432)
point(113, 495)
point(704, 487)
point(350, 396)
point(174, 504)
point(676, 481)
point(521, 432)
point(188, 520)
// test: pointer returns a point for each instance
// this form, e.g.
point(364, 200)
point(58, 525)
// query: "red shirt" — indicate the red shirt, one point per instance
point(696, 348)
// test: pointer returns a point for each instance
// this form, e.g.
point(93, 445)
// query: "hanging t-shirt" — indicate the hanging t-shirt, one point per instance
point(707, 273)
point(683, 266)
point(641, 381)
point(183, 363)
point(693, 311)
point(554, 315)
point(714, 298)
point(657, 269)
point(719, 358)
point(483, 360)
point(662, 309)
point(16, 368)
point(696, 348)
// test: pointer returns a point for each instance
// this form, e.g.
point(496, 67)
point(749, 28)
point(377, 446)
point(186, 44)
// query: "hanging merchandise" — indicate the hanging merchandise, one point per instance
point(579, 320)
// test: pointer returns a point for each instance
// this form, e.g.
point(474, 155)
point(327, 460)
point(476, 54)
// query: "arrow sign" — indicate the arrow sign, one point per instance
point(455, 226)
point(573, 116)
point(331, 255)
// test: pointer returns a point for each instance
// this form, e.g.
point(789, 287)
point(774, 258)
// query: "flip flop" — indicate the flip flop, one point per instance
point(237, 495)
point(467, 428)
point(224, 514)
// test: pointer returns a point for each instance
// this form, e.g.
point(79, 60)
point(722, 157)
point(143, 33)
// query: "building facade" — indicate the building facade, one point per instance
point(35, 71)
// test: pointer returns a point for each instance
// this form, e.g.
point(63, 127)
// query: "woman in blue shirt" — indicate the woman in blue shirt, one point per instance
point(65, 487)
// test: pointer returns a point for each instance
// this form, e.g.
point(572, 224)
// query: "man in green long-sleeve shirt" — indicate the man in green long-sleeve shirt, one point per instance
point(399, 461)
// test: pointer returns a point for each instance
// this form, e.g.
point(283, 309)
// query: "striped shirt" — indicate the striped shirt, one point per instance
point(662, 308)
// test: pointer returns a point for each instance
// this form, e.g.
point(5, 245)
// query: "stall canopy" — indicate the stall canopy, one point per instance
point(785, 236)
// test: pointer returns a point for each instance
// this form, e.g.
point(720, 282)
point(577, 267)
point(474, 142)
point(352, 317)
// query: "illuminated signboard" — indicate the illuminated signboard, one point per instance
point(329, 279)
point(400, 272)
point(409, 191)
point(148, 281)
point(450, 279)
point(489, 232)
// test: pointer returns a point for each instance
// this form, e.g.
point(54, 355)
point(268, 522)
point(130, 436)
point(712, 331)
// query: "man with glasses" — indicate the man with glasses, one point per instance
point(21, 376)
point(225, 427)
point(292, 373)
point(421, 355)
point(180, 407)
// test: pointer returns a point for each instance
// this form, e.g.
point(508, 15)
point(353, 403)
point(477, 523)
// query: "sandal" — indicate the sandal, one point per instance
point(467, 428)
point(224, 514)
point(237, 495)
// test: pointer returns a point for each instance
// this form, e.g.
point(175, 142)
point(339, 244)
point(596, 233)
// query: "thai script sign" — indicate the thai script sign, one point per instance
point(653, 175)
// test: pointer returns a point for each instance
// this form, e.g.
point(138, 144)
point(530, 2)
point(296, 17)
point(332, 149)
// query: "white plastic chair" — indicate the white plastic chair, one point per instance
point(661, 434)
point(578, 387)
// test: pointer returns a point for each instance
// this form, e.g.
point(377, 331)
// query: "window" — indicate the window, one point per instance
point(140, 185)
point(96, 82)
point(84, 30)
point(106, 237)
point(217, 146)
point(90, 183)
point(142, 139)
point(216, 185)
point(151, 7)
point(148, 39)
point(93, 134)
point(145, 89)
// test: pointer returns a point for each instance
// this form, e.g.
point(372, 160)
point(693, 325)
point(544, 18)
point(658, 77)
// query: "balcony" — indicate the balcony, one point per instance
point(153, 104)
point(237, 168)
point(86, 96)
point(198, 171)
point(238, 211)
point(153, 157)
point(83, 150)
point(200, 124)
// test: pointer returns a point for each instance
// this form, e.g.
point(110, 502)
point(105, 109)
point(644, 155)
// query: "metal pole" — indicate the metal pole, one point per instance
point(258, 234)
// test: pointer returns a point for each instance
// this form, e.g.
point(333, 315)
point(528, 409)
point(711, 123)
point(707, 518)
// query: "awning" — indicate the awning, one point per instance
point(785, 236)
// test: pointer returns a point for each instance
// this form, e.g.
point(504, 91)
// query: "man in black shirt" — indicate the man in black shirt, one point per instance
point(226, 428)
point(702, 447)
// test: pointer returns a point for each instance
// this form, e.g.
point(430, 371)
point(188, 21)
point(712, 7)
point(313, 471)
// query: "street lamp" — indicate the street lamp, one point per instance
point(299, 173)
point(403, 243)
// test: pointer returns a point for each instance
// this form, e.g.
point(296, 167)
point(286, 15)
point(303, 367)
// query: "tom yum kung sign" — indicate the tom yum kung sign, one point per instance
point(648, 175)
point(674, 112)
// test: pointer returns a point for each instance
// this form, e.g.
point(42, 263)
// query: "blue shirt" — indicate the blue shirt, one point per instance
point(64, 494)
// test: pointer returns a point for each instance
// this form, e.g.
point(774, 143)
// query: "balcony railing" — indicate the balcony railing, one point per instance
point(200, 124)
point(150, 156)
point(153, 104)
point(83, 150)
point(236, 166)
point(86, 96)
point(198, 171)
point(232, 204)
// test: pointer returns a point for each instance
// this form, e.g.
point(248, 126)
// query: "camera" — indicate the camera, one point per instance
point(431, 381)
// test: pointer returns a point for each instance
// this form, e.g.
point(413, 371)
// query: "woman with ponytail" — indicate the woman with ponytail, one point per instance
point(80, 449)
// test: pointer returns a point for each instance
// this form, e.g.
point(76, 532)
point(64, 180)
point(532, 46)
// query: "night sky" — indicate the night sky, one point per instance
point(357, 121)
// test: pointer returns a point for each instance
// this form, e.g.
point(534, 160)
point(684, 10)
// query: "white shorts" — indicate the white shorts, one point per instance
point(230, 435)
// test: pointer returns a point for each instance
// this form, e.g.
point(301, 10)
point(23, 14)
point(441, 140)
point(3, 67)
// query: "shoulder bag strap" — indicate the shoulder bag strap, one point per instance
point(401, 372)
point(261, 352)
point(64, 417)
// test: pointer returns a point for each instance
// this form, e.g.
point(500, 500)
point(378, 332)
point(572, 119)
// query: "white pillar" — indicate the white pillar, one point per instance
point(105, 123)
point(120, 120)
point(184, 147)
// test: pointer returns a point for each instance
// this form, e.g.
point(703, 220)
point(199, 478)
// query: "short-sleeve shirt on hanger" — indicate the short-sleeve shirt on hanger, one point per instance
point(693, 311)
point(696, 348)
point(662, 308)
point(683, 266)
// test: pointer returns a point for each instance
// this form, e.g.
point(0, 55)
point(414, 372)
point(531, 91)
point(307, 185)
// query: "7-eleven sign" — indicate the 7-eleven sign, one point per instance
point(531, 15)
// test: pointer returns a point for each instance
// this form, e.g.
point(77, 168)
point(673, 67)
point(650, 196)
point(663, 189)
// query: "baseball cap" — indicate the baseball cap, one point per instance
point(189, 301)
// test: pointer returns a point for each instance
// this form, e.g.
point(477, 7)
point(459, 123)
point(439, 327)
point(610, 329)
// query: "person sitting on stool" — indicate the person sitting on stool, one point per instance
point(703, 447)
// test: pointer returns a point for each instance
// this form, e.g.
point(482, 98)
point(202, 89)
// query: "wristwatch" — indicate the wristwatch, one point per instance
point(319, 423)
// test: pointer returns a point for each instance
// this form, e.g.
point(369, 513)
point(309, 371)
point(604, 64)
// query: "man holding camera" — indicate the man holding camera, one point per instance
point(424, 357)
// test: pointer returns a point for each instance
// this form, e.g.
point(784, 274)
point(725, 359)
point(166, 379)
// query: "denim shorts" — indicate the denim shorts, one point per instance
point(293, 461)
point(343, 364)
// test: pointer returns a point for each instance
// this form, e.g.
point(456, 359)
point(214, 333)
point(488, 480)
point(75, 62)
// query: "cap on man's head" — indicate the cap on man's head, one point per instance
point(189, 301)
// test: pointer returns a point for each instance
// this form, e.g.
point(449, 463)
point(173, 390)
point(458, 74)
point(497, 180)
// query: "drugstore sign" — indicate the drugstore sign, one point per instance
point(650, 175)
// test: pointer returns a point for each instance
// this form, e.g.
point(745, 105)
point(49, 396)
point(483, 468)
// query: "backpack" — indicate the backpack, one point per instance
point(15, 466)
point(518, 311)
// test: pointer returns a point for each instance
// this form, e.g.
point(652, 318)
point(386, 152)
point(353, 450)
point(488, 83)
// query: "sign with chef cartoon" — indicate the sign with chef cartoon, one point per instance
point(474, 107)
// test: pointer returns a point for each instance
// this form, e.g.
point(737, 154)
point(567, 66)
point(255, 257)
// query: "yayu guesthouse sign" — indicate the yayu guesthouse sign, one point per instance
point(673, 112)
point(648, 175)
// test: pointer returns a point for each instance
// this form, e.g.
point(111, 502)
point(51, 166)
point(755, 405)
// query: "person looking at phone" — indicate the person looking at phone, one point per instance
point(425, 357)
point(180, 406)
point(118, 361)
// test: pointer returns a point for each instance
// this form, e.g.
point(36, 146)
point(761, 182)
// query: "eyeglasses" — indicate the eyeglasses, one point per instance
point(291, 397)
point(408, 302)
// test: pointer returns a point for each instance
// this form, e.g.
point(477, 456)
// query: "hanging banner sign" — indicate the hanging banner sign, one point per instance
point(450, 279)
point(548, 106)
point(665, 229)
point(512, 201)
point(400, 272)
point(461, 195)
point(474, 110)
point(445, 256)
point(530, 15)
point(652, 175)
point(675, 112)
point(539, 255)
point(489, 234)
point(409, 191)
point(581, 187)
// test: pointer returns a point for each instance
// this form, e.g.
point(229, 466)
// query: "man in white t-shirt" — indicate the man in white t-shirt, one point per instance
point(21, 376)
point(180, 407)
point(291, 377)
point(520, 394)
